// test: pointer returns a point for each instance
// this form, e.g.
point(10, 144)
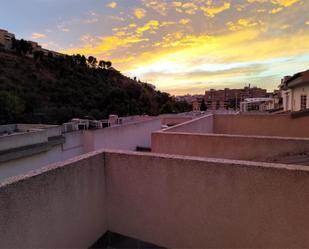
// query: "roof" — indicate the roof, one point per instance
point(296, 79)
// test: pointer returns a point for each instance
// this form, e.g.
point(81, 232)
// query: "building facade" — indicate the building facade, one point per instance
point(295, 91)
point(231, 98)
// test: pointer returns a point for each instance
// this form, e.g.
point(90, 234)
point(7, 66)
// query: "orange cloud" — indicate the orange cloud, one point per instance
point(37, 36)
point(140, 13)
point(211, 11)
point(112, 5)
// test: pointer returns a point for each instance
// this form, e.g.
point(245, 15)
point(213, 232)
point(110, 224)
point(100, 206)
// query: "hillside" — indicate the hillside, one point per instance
point(54, 90)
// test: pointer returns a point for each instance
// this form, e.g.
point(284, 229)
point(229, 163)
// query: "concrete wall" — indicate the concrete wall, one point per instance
point(173, 120)
point(124, 137)
point(52, 130)
point(16, 140)
point(61, 206)
point(72, 147)
point(237, 147)
point(262, 125)
point(25, 164)
point(199, 125)
point(181, 202)
point(176, 202)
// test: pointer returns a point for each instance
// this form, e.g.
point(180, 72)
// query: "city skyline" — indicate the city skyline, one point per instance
point(180, 46)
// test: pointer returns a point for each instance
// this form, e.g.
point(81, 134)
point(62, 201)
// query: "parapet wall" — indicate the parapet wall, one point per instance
point(182, 202)
point(176, 202)
point(238, 147)
point(199, 125)
point(262, 125)
point(60, 206)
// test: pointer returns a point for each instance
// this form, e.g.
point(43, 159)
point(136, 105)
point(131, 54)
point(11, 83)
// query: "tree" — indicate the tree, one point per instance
point(21, 46)
point(203, 106)
point(92, 61)
point(102, 64)
point(38, 55)
point(108, 64)
point(11, 107)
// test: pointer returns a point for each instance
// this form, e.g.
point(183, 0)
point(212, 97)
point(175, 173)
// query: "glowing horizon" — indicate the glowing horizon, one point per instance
point(180, 46)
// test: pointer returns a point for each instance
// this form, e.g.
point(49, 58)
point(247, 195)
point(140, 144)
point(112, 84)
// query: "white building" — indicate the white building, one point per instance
point(257, 104)
point(295, 91)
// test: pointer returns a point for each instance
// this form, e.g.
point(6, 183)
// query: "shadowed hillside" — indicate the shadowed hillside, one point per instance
point(45, 89)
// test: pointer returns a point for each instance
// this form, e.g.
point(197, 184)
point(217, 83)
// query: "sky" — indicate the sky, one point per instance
point(179, 46)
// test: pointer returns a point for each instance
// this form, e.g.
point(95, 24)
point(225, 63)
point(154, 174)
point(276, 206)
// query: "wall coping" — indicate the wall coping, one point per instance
point(227, 162)
point(128, 124)
point(185, 123)
point(235, 136)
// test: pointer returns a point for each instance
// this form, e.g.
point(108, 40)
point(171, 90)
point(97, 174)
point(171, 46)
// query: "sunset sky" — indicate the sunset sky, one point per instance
point(180, 46)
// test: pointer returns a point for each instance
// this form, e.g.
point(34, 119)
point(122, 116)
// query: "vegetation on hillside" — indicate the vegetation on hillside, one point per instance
point(47, 89)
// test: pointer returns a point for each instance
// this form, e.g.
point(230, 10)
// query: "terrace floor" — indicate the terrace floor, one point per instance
point(114, 240)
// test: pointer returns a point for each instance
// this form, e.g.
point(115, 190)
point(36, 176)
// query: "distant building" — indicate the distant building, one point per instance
point(295, 91)
point(6, 39)
point(196, 105)
point(227, 98)
point(257, 104)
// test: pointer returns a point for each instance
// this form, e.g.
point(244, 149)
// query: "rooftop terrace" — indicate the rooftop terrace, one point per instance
point(209, 184)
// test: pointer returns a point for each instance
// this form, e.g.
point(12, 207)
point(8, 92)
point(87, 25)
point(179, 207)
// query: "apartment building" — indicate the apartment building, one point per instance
point(6, 39)
point(223, 99)
point(295, 91)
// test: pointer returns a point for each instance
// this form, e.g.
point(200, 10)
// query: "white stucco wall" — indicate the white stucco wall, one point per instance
point(293, 102)
point(124, 137)
point(297, 93)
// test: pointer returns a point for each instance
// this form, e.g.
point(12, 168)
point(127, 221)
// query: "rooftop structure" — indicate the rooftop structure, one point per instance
point(29, 147)
point(211, 181)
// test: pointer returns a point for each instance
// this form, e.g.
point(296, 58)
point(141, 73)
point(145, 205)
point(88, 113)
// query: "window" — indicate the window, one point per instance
point(303, 102)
